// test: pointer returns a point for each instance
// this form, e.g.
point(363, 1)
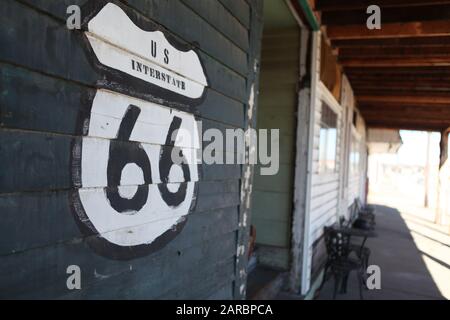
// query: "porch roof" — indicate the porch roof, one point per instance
point(400, 74)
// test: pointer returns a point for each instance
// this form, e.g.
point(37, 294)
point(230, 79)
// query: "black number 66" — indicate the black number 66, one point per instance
point(123, 152)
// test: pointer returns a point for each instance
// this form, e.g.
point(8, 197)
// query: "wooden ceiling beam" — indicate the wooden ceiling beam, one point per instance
point(404, 125)
point(400, 87)
point(340, 5)
point(363, 107)
point(442, 96)
point(373, 74)
point(377, 78)
point(409, 115)
point(388, 118)
point(401, 83)
point(443, 123)
point(400, 52)
point(390, 30)
point(441, 82)
point(377, 81)
point(395, 62)
point(393, 42)
point(368, 102)
point(389, 15)
point(400, 74)
point(418, 70)
point(405, 99)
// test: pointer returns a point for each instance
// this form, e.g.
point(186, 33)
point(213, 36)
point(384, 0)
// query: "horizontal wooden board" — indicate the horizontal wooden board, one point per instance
point(64, 55)
point(46, 162)
point(282, 182)
point(168, 285)
point(274, 257)
point(275, 101)
point(240, 9)
point(42, 272)
point(284, 123)
point(223, 293)
point(272, 232)
point(317, 228)
point(202, 283)
point(217, 15)
point(318, 190)
point(38, 219)
point(325, 209)
point(33, 96)
point(272, 206)
point(318, 179)
point(188, 26)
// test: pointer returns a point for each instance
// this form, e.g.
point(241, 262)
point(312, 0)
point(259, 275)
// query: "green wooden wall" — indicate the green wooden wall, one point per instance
point(273, 195)
point(47, 80)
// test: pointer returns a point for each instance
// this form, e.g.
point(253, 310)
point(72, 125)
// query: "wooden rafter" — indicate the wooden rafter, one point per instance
point(406, 113)
point(400, 74)
point(405, 125)
point(406, 99)
point(391, 30)
point(400, 52)
point(396, 62)
point(443, 41)
point(389, 15)
point(425, 88)
point(380, 80)
point(388, 71)
point(340, 5)
point(411, 108)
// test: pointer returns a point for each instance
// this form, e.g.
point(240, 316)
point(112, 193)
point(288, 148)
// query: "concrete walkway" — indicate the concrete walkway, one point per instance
point(414, 257)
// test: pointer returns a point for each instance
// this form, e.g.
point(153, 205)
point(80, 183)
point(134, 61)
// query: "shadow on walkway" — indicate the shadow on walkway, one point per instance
point(405, 273)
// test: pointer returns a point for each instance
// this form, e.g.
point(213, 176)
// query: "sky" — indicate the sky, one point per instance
point(413, 150)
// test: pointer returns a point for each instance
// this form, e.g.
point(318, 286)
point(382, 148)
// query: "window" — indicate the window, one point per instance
point(328, 140)
point(355, 119)
point(354, 156)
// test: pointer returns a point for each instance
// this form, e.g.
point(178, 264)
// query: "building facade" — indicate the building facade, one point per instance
point(87, 128)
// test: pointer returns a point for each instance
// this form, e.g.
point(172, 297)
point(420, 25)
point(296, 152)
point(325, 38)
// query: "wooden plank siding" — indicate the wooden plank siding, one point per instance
point(331, 193)
point(47, 83)
point(273, 195)
point(355, 182)
point(325, 187)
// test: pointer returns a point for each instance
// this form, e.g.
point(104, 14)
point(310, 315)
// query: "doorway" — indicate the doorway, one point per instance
point(272, 197)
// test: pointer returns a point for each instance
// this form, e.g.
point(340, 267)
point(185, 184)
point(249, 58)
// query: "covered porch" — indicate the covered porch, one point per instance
point(351, 79)
point(399, 73)
point(413, 255)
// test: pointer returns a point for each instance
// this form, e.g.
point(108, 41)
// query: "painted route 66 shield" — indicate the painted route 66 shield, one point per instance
point(136, 164)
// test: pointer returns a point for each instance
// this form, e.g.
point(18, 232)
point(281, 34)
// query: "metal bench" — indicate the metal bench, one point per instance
point(339, 263)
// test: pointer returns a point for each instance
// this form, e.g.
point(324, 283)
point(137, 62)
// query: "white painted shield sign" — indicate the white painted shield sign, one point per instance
point(132, 193)
point(121, 45)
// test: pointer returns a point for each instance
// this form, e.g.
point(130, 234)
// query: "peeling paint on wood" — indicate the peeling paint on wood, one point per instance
point(67, 107)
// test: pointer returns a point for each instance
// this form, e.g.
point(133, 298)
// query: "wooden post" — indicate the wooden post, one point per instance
point(444, 147)
point(443, 158)
point(315, 71)
point(256, 28)
point(302, 154)
point(427, 172)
